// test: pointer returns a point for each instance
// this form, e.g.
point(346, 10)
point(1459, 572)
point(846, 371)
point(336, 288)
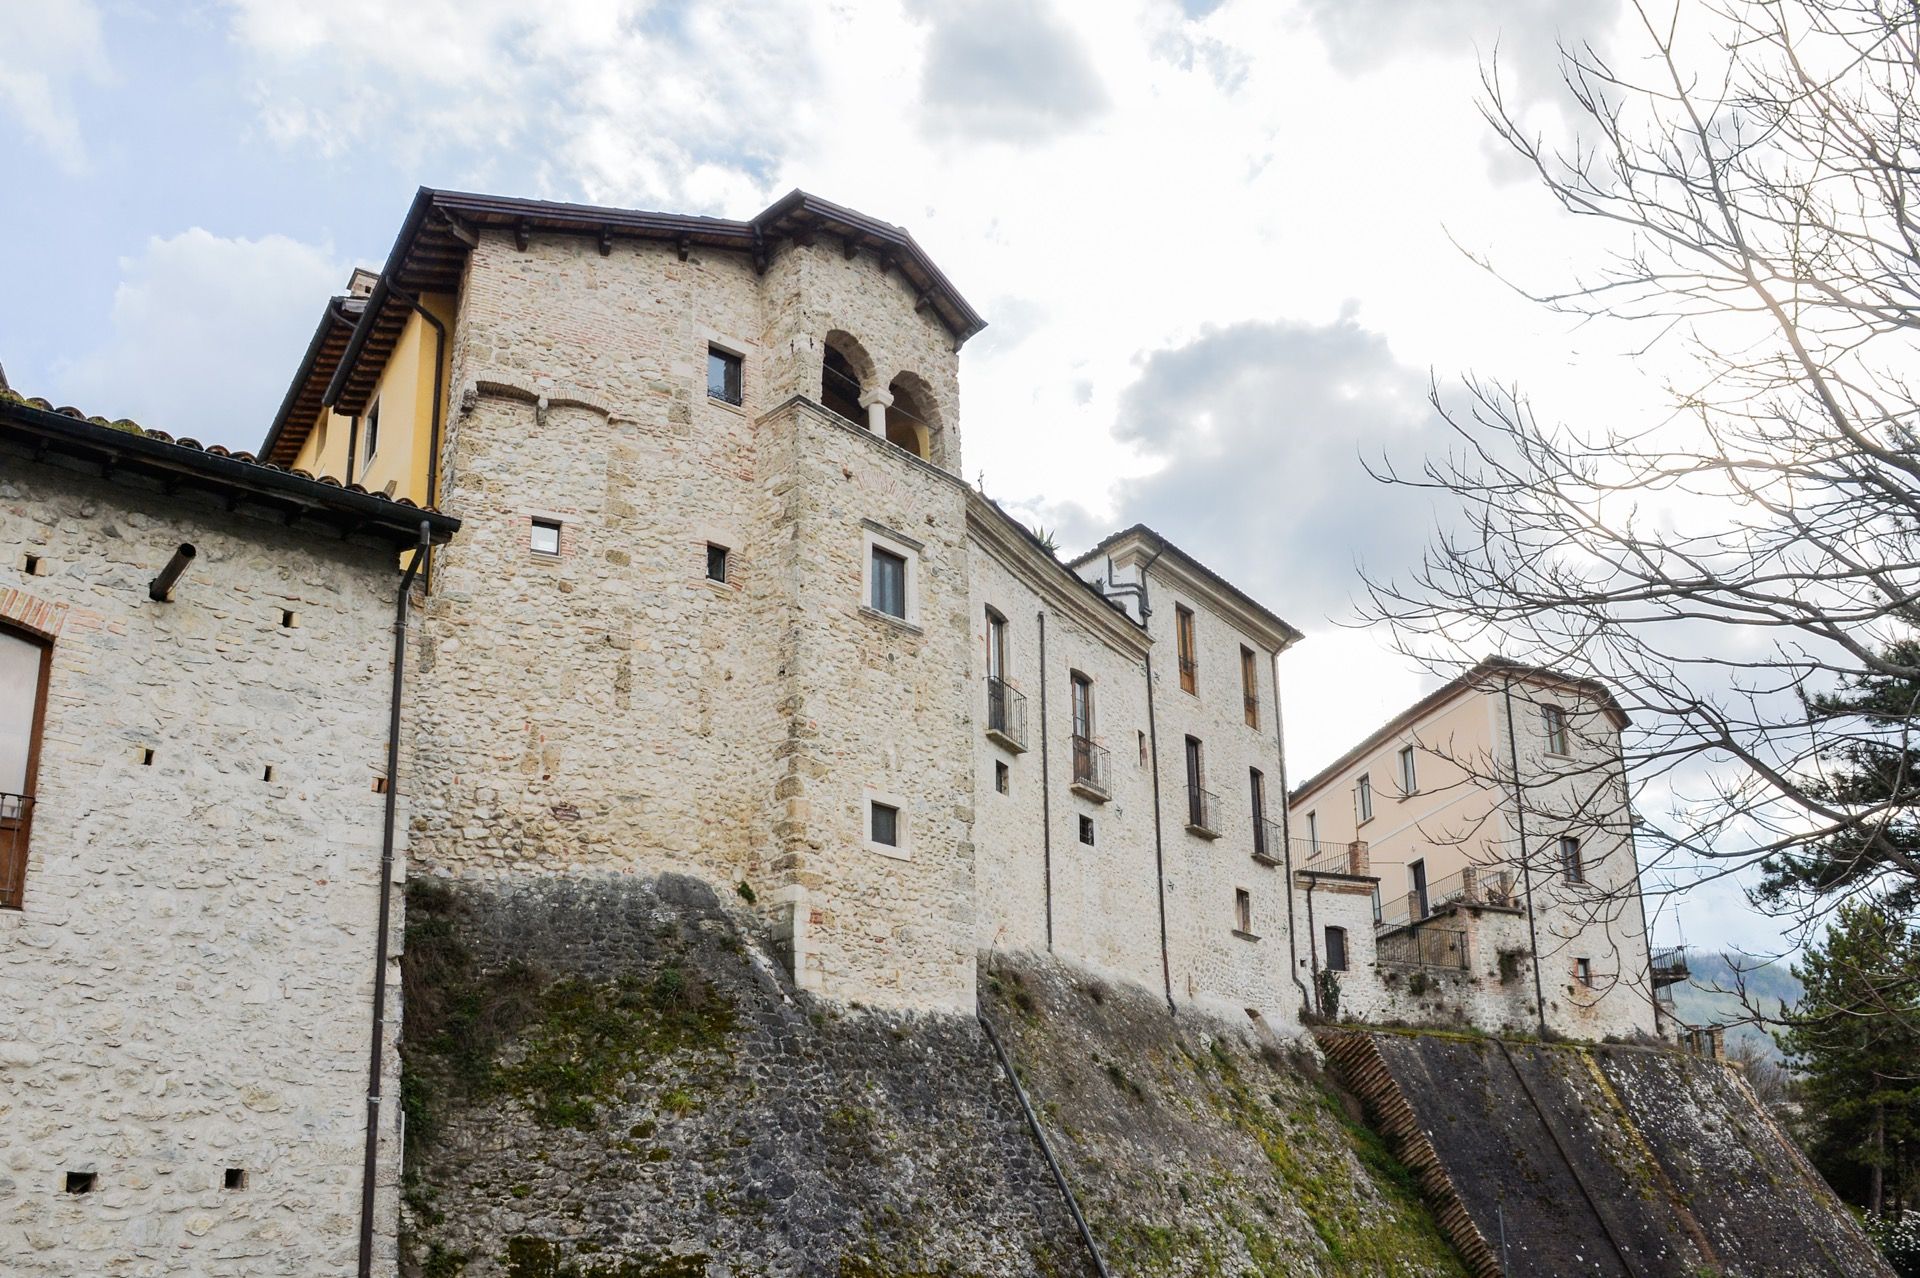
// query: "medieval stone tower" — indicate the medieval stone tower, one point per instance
point(714, 534)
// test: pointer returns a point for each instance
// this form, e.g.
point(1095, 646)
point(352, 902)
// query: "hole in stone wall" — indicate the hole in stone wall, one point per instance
point(79, 1182)
point(236, 1178)
point(146, 756)
point(30, 565)
point(379, 785)
point(266, 773)
point(288, 619)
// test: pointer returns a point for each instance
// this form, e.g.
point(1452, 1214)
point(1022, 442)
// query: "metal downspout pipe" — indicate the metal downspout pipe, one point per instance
point(376, 1048)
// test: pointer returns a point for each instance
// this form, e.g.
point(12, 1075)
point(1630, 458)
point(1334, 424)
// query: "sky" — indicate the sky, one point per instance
point(1222, 247)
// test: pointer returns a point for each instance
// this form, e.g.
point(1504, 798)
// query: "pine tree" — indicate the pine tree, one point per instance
point(1855, 1040)
point(1871, 773)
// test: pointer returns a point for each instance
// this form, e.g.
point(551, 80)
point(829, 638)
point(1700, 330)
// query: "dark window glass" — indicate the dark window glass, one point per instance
point(886, 825)
point(1336, 949)
point(716, 562)
point(1086, 830)
point(1002, 779)
point(1570, 861)
point(373, 431)
point(889, 583)
point(723, 375)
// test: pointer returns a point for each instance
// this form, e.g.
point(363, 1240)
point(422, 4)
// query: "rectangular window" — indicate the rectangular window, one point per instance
point(1002, 777)
point(1313, 830)
point(1417, 888)
point(1409, 783)
point(24, 665)
point(1336, 949)
point(1195, 774)
point(1570, 862)
point(1183, 638)
point(889, 583)
point(1242, 910)
point(1082, 706)
point(545, 537)
point(1583, 971)
point(1250, 685)
point(1086, 830)
point(723, 375)
point(996, 645)
point(1363, 798)
point(884, 826)
point(1257, 791)
point(1143, 749)
point(716, 562)
point(372, 434)
point(1554, 720)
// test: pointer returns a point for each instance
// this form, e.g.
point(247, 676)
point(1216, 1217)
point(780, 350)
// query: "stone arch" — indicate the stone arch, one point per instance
point(847, 373)
point(913, 420)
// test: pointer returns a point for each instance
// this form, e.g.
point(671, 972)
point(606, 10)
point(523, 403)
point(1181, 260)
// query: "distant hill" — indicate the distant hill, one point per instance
point(1708, 998)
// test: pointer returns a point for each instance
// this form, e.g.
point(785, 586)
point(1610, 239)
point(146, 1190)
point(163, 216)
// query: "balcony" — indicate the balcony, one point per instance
point(16, 815)
point(1090, 771)
point(1475, 885)
point(1203, 812)
point(1350, 860)
point(1006, 716)
point(1269, 843)
point(1669, 966)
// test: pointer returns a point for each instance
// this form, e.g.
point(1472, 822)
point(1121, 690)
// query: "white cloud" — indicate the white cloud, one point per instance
point(204, 335)
point(47, 47)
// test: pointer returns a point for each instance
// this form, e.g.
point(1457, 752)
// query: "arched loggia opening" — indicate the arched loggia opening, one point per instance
point(910, 417)
point(846, 373)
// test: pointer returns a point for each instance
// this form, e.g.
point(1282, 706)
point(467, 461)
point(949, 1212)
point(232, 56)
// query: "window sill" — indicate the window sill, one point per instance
point(1261, 858)
point(898, 623)
point(1246, 936)
point(1201, 831)
point(717, 402)
point(727, 588)
point(889, 851)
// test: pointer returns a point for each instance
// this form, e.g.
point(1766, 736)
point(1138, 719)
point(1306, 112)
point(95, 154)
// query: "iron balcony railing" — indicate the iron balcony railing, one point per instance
point(1090, 768)
point(1268, 841)
point(1203, 812)
point(1006, 714)
point(1475, 885)
point(1324, 856)
point(16, 815)
point(1670, 966)
point(1443, 948)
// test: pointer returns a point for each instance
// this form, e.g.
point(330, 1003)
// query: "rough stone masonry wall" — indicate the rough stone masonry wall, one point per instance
point(188, 988)
point(1625, 1161)
point(610, 1077)
point(1105, 905)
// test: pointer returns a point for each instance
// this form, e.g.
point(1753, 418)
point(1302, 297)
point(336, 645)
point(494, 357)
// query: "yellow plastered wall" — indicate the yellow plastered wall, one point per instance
point(404, 396)
point(325, 450)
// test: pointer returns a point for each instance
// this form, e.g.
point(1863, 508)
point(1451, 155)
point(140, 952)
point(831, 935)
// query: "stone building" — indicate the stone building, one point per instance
point(1493, 815)
point(191, 847)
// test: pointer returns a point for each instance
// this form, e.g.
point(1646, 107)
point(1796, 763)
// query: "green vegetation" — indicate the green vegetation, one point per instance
point(529, 1257)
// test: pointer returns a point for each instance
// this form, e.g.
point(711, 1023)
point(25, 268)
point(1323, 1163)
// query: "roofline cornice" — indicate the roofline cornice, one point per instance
point(1066, 590)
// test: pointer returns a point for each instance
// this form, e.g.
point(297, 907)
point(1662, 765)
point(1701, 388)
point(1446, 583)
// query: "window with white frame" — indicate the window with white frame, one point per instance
point(544, 539)
point(886, 825)
point(1363, 798)
point(891, 569)
point(1409, 780)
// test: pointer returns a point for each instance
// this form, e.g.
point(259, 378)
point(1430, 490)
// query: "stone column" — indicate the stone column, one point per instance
point(877, 402)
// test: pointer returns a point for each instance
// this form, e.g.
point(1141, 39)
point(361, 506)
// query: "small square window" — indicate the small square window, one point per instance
point(723, 375)
point(1086, 830)
point(79, 1182)
point(889, 583)
point(1002, 777)
point(545, 537)
point(884, 825)
point(236, 1178)
point(716, 562)
point(289, 619)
